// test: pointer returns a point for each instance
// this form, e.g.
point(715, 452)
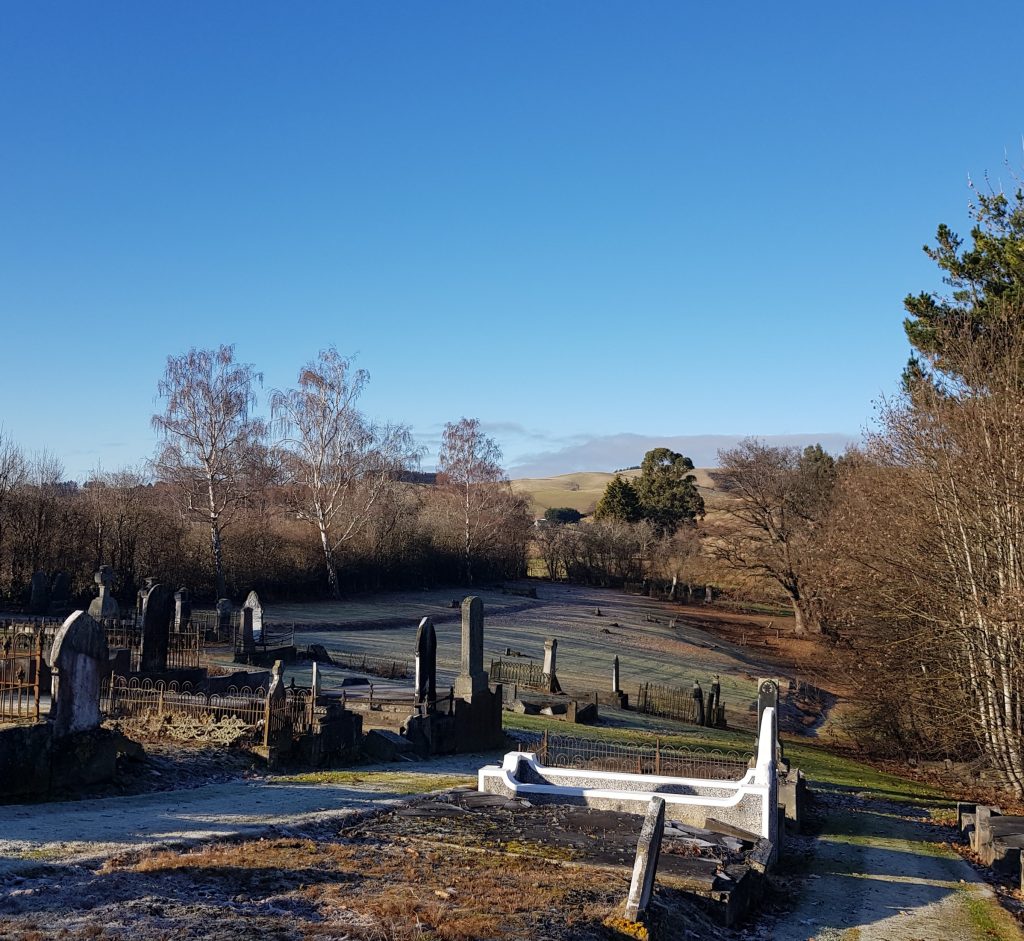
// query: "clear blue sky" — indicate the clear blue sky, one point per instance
point(568, 219)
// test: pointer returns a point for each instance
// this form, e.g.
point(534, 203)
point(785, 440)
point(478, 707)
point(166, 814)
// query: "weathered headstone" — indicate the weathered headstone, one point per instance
point(157, 611)
point(252, 603)
point(182, 609)
point(698, 699)
point(615, 675)
point(648, 850)
point(60, 592)
point(224, 611)
point(105, 605)
point(79, 659)
point(315, 682)
point(550, 655)
point(426, 664)
point(140, 597)
point(39, 594)
point(472, 678)
point(716, 698)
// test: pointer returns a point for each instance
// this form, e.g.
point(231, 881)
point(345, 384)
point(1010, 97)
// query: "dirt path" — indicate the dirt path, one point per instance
point(86, 832)
point(878, 872)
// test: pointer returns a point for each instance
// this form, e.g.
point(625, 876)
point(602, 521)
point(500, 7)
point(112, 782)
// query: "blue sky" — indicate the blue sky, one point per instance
point(573, 221)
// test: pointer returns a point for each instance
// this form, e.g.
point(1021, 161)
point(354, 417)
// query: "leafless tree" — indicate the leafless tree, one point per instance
point(208, 438)
point(468, 467)
point(768, 522)
point(13, 474)
point(338, 463)
point(933, 541)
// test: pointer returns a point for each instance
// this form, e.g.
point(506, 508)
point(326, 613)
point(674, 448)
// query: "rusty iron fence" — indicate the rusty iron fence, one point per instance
point(519, 673)
point(668, 701)
point(176, 710)
point(681, 761)
point(386, 667)
point(21, 662)
point(269, 637)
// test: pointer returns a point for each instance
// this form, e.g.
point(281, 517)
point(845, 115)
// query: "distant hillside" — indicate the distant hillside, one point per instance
point(582, 490)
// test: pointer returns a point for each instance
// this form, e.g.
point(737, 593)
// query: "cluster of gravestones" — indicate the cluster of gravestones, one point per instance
point(473, 720)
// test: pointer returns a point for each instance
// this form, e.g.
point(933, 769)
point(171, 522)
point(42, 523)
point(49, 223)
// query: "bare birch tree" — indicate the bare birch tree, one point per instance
point(338, 463)
point(468, 467)
point(208, 438)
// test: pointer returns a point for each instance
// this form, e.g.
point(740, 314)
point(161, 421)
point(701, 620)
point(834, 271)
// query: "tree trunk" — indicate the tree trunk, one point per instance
point(332, 572)
point(218, 559)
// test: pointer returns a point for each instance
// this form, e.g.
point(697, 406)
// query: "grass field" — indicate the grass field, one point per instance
point(581, 491)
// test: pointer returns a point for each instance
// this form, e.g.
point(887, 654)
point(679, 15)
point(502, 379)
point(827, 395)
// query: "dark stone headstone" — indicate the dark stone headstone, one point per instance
point(224, 611)
point(472, 678)
point(426, 664)
point(39, 594)
point(615, 675)
point(60, 591)
point(698, 699)
point(157, 611)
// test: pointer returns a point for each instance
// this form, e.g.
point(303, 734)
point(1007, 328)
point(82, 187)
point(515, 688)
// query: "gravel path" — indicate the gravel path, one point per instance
point(86, 832)
point(880, 872)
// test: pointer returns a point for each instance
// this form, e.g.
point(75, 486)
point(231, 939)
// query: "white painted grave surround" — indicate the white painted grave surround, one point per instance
point(749, 802)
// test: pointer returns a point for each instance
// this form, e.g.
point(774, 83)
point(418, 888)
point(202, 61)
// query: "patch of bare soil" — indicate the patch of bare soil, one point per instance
point(351, 885)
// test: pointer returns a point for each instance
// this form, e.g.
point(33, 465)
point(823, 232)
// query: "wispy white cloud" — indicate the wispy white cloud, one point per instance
point(612, 452)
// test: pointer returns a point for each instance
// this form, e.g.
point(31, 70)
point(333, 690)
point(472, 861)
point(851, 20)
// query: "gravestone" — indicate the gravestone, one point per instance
point(224, 611)
point(426, 664)
point(39, 594)
point(252, 604)
point(182, 610)
point(648, 850)
point(104, 606)
point(140, 597)
point(615, 675)
point(315, 682)
point(79, 659)
point(60, 592)
point(716, 698)
point(473, 678)
point(698, 698)
point(768, 697)
point(157, 611)
point(550, 665)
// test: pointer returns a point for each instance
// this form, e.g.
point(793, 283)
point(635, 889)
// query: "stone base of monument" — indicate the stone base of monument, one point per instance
point(566, 710)
point(34, 764)
point(474, 725)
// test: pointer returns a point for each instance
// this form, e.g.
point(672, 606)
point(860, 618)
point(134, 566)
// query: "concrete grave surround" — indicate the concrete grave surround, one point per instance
point(472, 678)
point(79, 659)
point(648, 850)
point(750, 803)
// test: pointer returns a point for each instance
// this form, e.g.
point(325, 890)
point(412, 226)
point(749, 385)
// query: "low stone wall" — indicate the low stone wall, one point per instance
point(749, 803)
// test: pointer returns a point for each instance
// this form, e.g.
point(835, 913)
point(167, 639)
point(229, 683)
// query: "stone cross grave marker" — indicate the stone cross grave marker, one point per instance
point(473, 678)
point(105, 605)
point(79, 659)
point(157, 611)
point(426, 664)
point(648, 849)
